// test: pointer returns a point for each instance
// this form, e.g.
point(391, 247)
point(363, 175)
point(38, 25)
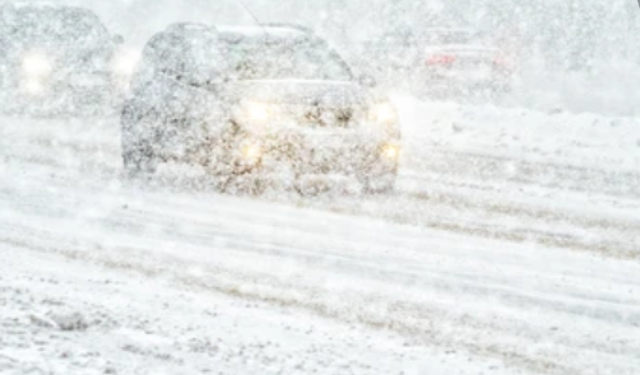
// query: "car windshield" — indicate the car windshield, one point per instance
point(399, 38)
point(304, 60)
point(409, 38)
point(65, 26)
point(448, 37)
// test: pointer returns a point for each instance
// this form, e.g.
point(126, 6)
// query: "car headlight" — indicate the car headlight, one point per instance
point(383, 113)
point(257, 112)
point(251, 152)
point(256, 115)
point(124, 63)
point(36, 65)
point(34, 86)
point(391, 152)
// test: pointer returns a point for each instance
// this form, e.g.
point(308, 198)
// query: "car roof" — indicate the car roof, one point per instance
point(272, 33)
point(186, 30)
point(446, 30)
point(430, 30)
point(41, 6)
point(189, 26)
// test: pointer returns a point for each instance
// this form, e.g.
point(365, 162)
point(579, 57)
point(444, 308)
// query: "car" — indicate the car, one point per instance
point(58, 59)
point(265, 103)
point(442, 60)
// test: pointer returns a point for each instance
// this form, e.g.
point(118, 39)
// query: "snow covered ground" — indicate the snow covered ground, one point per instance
point(510, 247)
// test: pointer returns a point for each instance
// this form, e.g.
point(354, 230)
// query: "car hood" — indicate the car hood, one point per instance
point(303, 92)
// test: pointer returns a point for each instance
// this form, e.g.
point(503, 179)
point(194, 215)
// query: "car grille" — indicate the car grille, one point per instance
point(322, 117)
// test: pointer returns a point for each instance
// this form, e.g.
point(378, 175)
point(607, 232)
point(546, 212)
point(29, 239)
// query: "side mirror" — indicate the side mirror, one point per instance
point(118, 39)
point(367, 81)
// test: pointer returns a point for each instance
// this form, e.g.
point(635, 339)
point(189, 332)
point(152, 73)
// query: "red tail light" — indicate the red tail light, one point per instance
point(441, 60)
point(501, 62)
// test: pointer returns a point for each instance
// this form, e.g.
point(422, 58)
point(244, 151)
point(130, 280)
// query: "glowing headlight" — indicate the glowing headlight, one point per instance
point(257, 112)
point(36, 65)
point(384, 113)
point(391, 152)
point(34, 86)
point(251, 152)
point(124, 64)
point(256, 115)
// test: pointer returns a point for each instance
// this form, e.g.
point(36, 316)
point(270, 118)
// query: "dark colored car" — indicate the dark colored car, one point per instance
point(272, 103)
point(57, 58)
point(441, 60)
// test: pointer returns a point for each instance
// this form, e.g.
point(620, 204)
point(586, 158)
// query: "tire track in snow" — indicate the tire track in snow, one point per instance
point(447, 210)
point(413, 318)
point(411, 323)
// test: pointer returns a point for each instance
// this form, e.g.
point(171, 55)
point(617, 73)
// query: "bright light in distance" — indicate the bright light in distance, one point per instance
point(37, 65)
point(384, 113)
point(125, 62)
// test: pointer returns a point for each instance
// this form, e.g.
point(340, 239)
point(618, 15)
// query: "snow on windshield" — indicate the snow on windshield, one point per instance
point(286, 60)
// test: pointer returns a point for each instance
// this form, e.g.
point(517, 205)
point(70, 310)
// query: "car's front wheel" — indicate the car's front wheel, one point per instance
point(138, 155)
point(138, 160)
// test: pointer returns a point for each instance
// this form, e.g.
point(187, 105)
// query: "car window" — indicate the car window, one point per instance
point(165, 53)
point(151, 61)
point(283, 60)
point(191, 57)
point(204, 57)
point(399, 39)
point(448, 37)
point(59, 25)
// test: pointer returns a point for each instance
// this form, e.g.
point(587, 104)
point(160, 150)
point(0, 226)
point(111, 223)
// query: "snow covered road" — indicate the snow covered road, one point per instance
point(511, 246)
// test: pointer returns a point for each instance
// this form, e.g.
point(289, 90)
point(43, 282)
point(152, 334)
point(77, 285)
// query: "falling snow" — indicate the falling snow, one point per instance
point(302, 187)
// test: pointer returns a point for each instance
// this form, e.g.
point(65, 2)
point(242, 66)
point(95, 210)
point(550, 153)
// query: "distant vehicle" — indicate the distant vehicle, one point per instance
point(56, 58)
point(441, 60)
point(272, 103)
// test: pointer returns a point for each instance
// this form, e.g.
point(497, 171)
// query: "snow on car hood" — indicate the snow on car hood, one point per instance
point(309, 92)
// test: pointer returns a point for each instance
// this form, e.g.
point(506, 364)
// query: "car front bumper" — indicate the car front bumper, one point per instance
point(298, 153)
